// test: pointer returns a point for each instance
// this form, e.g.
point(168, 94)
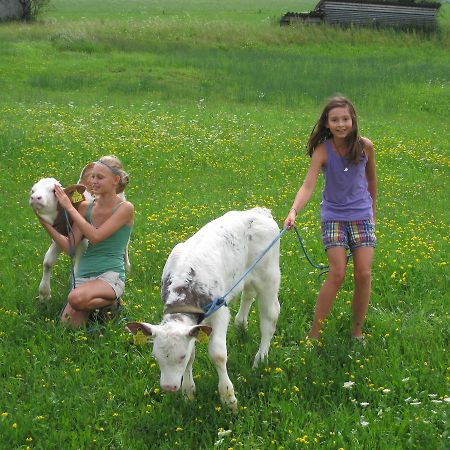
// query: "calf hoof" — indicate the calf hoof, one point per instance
point(229, 400)
point(44, 297)
point(260, 358)
point(241, 322)
point(188, 391)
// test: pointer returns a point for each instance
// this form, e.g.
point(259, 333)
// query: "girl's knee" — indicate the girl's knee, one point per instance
point(363, 276)
point(76, 299)
point(336, 276)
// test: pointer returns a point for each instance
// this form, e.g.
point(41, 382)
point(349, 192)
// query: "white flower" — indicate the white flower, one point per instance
point(386, 391)
point(415, 403)
point(363, 422)
point(432, 395)
point(364, 404)
point(436, 401)
point(408, 399)
point(217, 443)
point(405, 379)
point(223, 433)
point(348, 384)
point(447, 399)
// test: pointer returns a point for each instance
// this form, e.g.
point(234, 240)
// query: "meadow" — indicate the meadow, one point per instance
point(209, 105)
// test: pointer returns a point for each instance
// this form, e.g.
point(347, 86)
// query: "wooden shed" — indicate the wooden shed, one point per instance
point(402, 14)
point(15, 10)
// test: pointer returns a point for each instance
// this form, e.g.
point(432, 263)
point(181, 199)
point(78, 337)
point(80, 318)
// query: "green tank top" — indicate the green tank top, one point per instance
point(107, 255)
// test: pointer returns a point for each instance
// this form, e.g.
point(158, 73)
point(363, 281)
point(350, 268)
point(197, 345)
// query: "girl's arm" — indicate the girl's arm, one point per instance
point(371, 174)
point(306, 190)
point(124, 215)
point(61, 240)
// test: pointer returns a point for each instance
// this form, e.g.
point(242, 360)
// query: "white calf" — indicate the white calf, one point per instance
point(43, 201)
point(201, 269)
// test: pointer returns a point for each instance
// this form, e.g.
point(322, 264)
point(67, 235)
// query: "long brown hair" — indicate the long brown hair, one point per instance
point(321, 133)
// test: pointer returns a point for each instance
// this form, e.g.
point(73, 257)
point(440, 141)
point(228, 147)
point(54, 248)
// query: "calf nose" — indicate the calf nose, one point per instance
point(169, 387)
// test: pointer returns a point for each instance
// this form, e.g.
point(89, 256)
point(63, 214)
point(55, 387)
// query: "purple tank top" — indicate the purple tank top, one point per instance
point(345, 195)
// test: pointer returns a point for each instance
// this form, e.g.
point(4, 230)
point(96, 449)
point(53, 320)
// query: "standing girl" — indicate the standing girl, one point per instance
point(106, 223)
point(347, 209)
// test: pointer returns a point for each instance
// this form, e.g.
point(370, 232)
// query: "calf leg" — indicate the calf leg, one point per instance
point(269, 310)
point(247, 298)
point(188, 384)
point(49, 261)
point(217, 350)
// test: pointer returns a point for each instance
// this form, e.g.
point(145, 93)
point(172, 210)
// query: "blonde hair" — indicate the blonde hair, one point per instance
point(115, 166)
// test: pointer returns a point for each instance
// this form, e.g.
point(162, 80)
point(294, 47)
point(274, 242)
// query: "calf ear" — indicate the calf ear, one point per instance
point(75, 193)
point(146, 328)
point(197, 328)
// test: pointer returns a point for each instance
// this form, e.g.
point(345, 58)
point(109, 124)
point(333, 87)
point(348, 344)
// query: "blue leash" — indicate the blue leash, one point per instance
point(218, 302)
point(324, 268)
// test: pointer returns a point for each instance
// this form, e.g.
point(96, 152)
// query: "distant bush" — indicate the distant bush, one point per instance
point(32, 8)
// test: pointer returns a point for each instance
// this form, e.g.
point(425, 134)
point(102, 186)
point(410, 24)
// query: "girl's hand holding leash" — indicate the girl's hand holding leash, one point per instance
point(290, 219)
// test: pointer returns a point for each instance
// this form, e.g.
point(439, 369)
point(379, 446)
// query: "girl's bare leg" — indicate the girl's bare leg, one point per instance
point(327, 294)
point(362, 260)
point(84, 299)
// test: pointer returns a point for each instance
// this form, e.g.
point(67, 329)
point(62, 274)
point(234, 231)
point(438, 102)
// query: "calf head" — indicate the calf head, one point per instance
point(44, 202)
point(173, 347)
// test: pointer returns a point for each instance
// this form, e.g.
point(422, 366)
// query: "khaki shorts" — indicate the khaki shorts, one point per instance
point(112, 278)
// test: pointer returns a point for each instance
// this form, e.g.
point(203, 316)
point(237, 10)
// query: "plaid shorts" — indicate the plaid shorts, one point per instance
point(349, 234)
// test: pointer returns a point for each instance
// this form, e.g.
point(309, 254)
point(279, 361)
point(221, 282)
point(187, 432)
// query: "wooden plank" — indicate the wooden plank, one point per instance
point(375, 14)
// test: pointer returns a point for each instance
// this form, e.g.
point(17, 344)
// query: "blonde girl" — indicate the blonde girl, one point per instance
point(106, 223)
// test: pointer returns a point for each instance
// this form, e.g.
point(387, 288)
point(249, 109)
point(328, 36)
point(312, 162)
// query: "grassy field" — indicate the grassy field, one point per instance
point(209, 104)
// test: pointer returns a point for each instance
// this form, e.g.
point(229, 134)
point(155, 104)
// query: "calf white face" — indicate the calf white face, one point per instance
point(173, 348)
point(43, 200)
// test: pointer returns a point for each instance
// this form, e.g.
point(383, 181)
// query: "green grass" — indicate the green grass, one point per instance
point(210, 110)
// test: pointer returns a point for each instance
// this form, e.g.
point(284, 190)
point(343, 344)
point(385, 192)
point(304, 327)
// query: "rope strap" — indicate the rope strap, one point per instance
point(218, 302)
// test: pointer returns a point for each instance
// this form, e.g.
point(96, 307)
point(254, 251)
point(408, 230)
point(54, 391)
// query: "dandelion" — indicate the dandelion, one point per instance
point(348, 384)
point(5, 414)
point(178, 429)
point(278, 370)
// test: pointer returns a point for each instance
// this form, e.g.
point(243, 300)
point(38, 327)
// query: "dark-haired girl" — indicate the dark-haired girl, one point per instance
point(347, 162)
